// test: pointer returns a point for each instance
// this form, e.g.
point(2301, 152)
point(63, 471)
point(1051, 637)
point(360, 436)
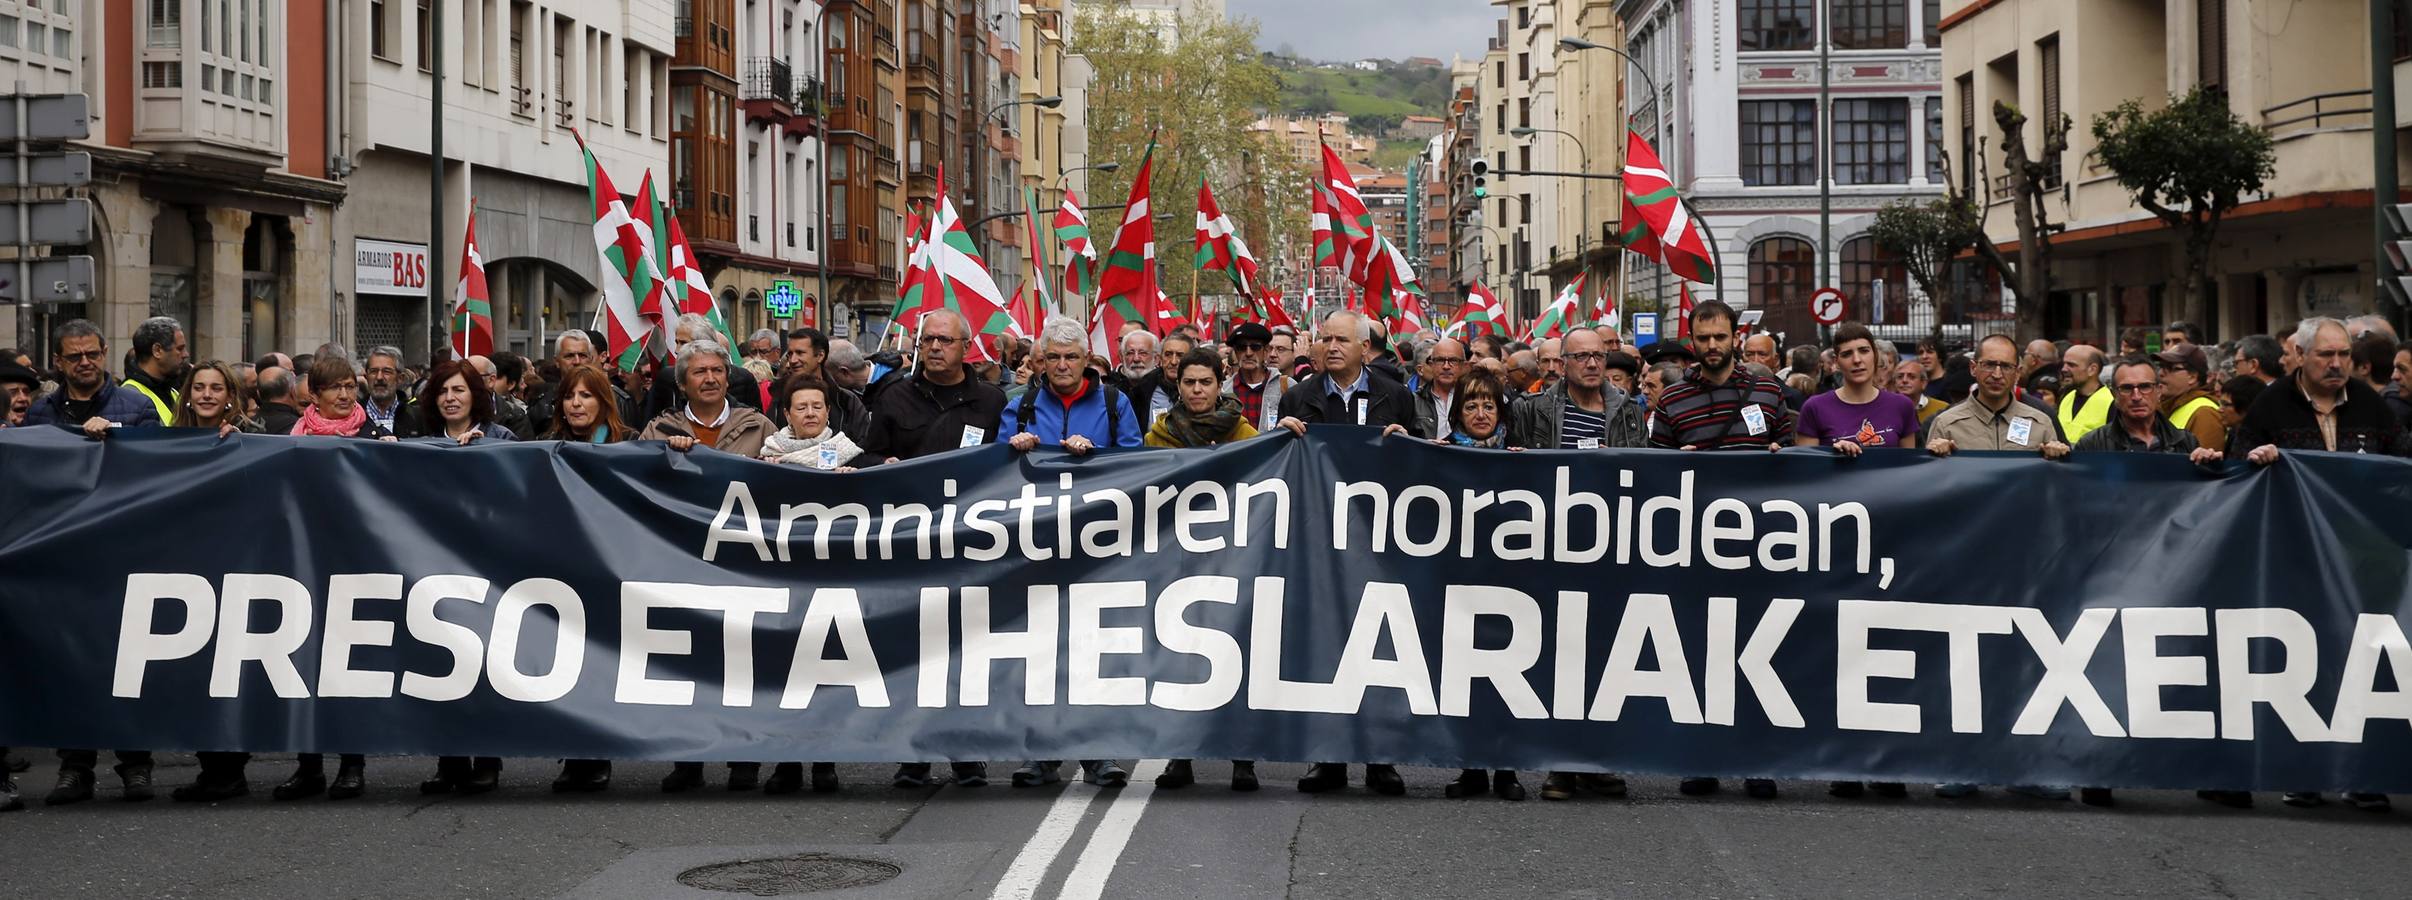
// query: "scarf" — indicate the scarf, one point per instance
point(313, 423)
point(785, 447)
point(1187, 429)
point(1497, 439)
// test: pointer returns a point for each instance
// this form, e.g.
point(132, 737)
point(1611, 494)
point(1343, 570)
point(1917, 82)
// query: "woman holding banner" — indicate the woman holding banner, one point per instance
point(1475, 421)
point(335, 411)
point(212, 398)
point(1205, 417)
point(585, 412)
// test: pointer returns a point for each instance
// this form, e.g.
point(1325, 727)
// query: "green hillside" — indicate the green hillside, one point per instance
point(1394, 91)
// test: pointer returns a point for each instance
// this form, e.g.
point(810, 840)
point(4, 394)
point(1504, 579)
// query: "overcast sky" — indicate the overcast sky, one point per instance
point(1357, 29)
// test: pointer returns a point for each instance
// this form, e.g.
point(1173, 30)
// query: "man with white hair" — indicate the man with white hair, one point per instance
point(2322, 407)
point(744, 389)
point(1136, 357)
point(763, 344)
point(847, 367)
point(1079, 413)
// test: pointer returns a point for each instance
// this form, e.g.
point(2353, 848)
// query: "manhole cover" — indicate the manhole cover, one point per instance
point(806, 873)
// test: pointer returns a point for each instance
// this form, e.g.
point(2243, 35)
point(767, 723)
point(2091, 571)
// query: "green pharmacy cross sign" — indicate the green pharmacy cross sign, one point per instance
point(783, 299)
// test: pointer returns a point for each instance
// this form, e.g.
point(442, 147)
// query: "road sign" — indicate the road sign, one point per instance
point(50, 170)
point(1876, 301)
point(53, 222)
point(1826, 306)
point(1645, 329)
point(50, 117)
point(55, 279)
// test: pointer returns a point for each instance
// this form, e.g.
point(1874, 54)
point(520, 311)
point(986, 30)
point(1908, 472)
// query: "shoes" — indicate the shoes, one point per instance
point(1559, 786)
point(1243, 776)
point(1323, 777)
point(2102, 797)
point(971, 774)
point(2039, 792)
point(1469, 783)
point(137, 779)
point(2369, 802)
point(912, 775)
point(1889, 789)
point(1955, 790)
point(1105, 773)
point(1696, 787)
point(785, 778)
point(683, 777)
point(205, 789)
point(824, 778)
point(481, 781)
point(744, 776)
point(351, 779)
point(583, 776)
point(9, 801)
point(1505, 786)
point(1605, 784)
point(1035, 773)
point(2229, 799)
point(1384, 780)
point(1179, 773)
point(2304, 799)
point(1759, 788)
point(75, 786)
point(306, 782)
point(1846, 789)
point(16, 764)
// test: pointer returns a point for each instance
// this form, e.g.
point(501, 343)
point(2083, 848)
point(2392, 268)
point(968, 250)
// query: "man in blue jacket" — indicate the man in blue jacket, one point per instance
point(1072, 409)
point(85, 400)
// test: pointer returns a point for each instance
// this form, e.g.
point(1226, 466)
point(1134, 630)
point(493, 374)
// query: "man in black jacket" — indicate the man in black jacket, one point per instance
point(2322, 407)
point(1153, 393)
point(1347, 392)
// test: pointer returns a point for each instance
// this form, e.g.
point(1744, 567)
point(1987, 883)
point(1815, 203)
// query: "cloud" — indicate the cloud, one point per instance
point(1337, 30)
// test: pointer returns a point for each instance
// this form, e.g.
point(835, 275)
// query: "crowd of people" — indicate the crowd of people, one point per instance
point(802, 398)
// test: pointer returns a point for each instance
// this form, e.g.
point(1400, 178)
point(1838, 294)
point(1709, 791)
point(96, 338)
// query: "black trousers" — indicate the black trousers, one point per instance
point(86, 759)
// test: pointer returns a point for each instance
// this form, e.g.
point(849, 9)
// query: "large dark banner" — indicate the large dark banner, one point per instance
point(2112, 620)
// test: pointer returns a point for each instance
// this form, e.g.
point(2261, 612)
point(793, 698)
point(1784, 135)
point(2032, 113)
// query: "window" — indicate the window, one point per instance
point(2047, 58)
point(427, 37)
point(1779, 142)
point(1783, 272)
point(473, 45)
point(1868, 24)
point(1499, 122)
point(210, 23)
point(1934, 23)
point(1935, 171)
point(1501, 70)
point(522, 101)
point(1871, 141)
point(1968, 133)
point(166, 21)
point(1865, 264)
point(1524, 66)
point(1524, 112)
point(8, 31)
point(1774, 25)
point(2211, 43)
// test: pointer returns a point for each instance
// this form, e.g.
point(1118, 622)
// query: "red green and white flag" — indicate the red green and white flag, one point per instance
point(627, 274)
point(688, 286)
point(1030, 319)
point(1481, 314)
point(1127, 289)
point(472, 313)
point(1220, 247)
point(1683, 312)
point(1658, 224)
point(1559, 318)
point(1080, 254)
point(1352, 227)
point(950, 275)
point(659, 306)
point(1276, 315)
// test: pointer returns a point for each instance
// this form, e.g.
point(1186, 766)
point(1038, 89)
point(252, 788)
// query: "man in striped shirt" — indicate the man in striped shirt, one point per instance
point(1720, 406)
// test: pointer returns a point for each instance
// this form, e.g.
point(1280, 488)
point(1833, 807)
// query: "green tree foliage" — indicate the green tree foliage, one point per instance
point(2189, 164)
point(1198, 96)
point(1927, 236)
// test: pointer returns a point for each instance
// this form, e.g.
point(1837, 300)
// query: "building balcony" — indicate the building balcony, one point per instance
point(809, 109)
point(767, 90)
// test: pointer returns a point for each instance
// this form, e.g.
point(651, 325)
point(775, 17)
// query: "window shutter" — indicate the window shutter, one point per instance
point(2211, 43)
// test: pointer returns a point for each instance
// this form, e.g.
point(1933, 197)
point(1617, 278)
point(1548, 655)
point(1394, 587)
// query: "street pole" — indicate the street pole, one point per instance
point(2384, 179)
point(1582, 238)
point(827, 311)
point(435, 179)
point(1825, 161)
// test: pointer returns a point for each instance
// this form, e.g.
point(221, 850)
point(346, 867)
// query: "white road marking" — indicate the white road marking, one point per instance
point(1021, 881)
point(1097, 861)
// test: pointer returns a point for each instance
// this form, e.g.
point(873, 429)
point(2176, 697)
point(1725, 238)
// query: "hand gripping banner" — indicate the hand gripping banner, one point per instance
point(2116, 620)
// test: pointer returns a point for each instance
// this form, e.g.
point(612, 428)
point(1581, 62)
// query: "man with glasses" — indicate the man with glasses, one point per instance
point(1159, 389)
point(85, 400)
point(1992, 418)
point(1254, 380)
point(382, 397)
point(1443, 367)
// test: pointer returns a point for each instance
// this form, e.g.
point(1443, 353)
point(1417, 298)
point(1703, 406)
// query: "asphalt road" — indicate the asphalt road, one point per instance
point(1204, 841)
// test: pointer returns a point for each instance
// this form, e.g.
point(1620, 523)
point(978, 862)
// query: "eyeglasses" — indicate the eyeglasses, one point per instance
point(1588, 356)
point(2137, 389)
point(1449, 360)
point(939, 340)
point(1995, 365)
point(86, 356)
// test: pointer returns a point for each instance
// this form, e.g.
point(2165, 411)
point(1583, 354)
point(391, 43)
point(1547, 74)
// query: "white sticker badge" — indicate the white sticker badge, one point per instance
point(829, 457)
point(1361, 410)
point(1587, 443)
point(1754, 419)
point(2021, 431)
point(973, 436)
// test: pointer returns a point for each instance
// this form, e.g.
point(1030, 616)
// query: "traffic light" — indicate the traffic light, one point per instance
point(2396, 280)
point(1482, 172)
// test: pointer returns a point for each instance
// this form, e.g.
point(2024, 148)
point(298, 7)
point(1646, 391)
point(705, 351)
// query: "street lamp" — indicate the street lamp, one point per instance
point(1581, 44)
point(1582, 238)
point(1066, 178)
